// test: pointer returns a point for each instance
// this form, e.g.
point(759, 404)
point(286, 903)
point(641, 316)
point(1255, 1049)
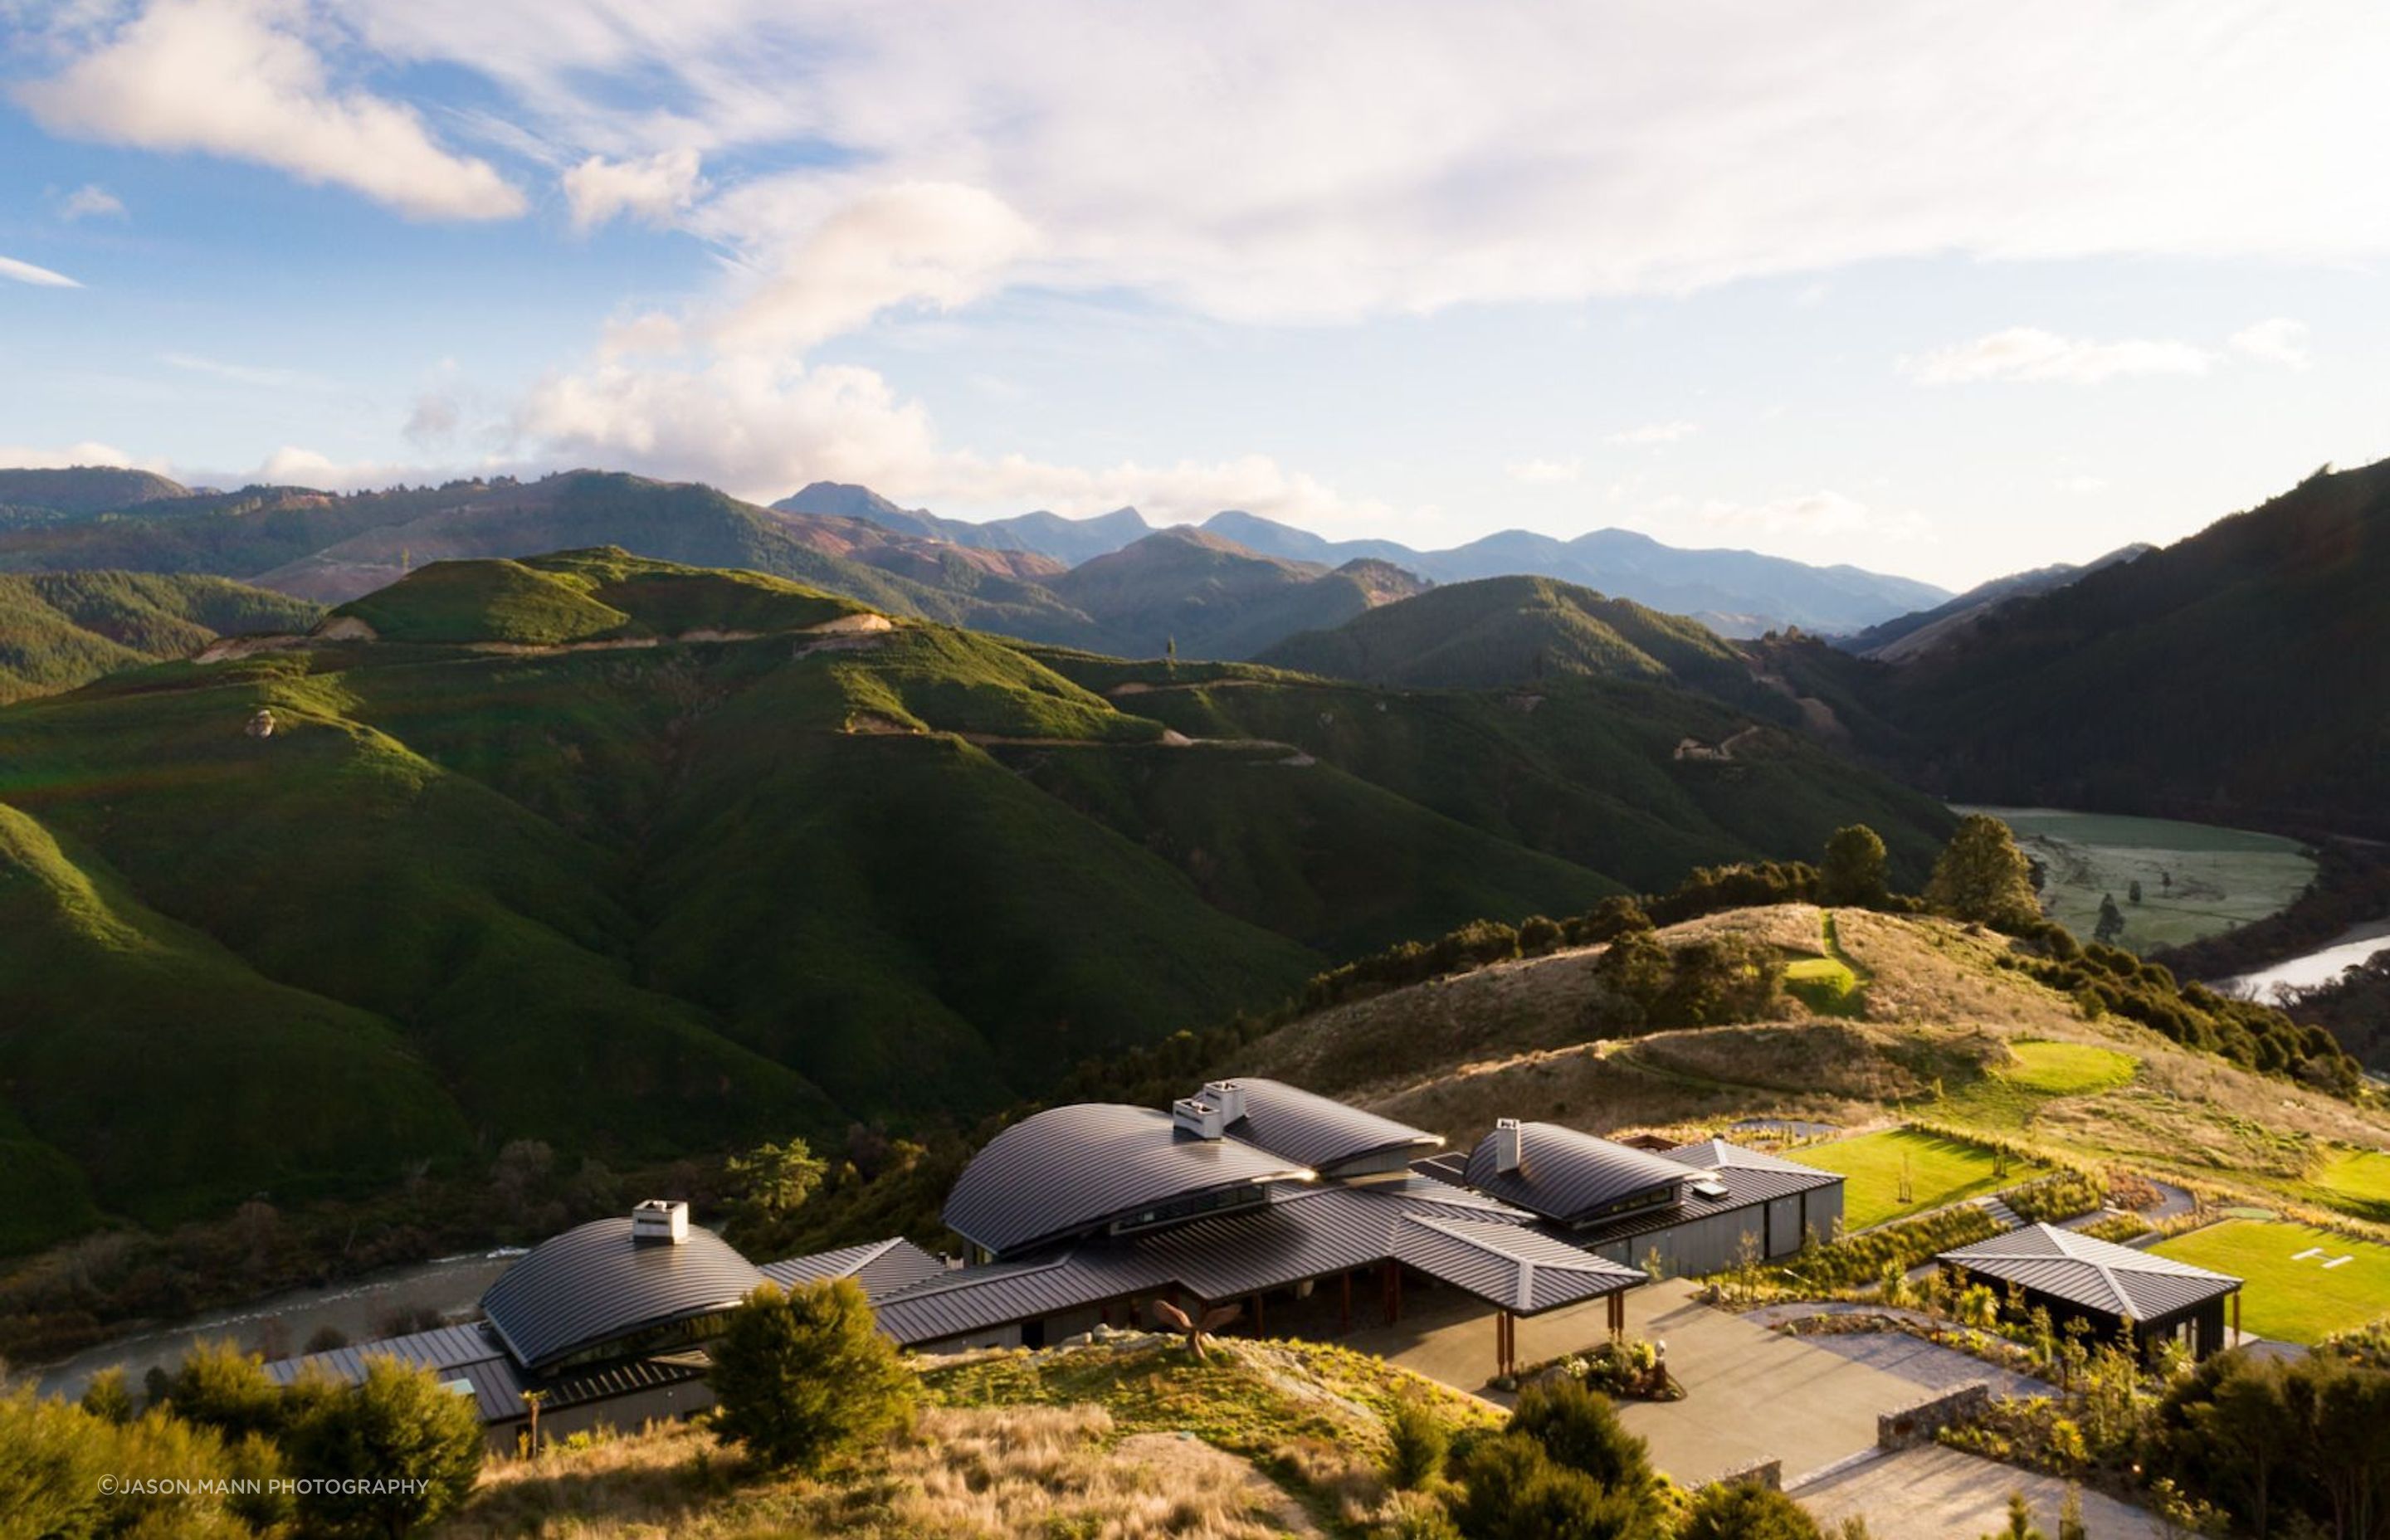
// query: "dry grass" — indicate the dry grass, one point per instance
point(1532, 1040)
point(1034, 1472)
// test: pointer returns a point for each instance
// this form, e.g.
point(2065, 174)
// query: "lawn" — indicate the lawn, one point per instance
point(2288, 1297)
point(2197, 879)
point(1939, 1170)
point(2358, 1182)
point(2009, 1095)
point(1830, 984)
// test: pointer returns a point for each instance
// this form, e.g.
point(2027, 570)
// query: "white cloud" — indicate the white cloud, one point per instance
point(653, 188)
point(936, 243)
point(1248, 158)
point(1654, 433)
point(2032, 353)
point(2280, 340)
point(19, 456)
point(25, 272)
point(2082, 486)
point(91, 201)
point(1545, 472)
point(236, 77)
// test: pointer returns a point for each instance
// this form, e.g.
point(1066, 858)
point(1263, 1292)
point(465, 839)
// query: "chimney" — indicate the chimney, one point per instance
point(1229, 1097)
point(660, 1222)
point(1506, 1144)
point(1197, 1116)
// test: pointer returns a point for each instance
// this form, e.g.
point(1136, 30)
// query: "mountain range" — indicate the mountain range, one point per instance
point(638, 859)
point(1906, 638)
point(1735, 593)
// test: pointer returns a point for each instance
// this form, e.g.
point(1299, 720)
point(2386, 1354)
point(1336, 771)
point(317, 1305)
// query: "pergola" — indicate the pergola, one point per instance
point(1520, 1272)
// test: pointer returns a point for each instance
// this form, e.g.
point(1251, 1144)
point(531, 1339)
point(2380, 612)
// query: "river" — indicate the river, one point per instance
point(451, 1286)
point(2320, 967)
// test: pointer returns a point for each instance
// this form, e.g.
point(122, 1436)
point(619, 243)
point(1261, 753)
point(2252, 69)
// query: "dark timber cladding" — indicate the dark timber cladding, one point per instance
point(1072, 1170)
point(2107, 1285)
point(595, 1285)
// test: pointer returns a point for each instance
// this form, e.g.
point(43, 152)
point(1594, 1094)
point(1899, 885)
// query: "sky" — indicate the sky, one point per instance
point(1946, 290)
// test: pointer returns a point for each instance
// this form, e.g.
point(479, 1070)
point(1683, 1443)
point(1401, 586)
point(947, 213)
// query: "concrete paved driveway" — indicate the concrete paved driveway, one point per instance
point(1930, 1493)
point(1751, 1395)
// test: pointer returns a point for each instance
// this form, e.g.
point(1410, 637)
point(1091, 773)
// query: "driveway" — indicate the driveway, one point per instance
point(1751, 1395)
point(1929, 1492)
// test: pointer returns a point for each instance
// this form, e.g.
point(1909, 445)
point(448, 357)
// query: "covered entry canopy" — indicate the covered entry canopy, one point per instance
point(1508, 1266)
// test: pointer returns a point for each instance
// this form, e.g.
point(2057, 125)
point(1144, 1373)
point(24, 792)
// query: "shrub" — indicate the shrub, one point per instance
point(803, 1374)
point(108, 1398)
point(1744, 1511)
point(399, 1424)
point(1517, 1491)
point(218, 1386)
point(1579, 1428)
point(2054, 1198)
point(1907, 1244)
point(1418, 1443)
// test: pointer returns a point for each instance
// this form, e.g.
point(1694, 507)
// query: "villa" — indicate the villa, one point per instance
point(1311, 1217)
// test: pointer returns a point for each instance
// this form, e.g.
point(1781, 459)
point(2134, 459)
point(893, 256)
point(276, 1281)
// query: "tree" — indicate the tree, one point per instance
point(1982, 877)
point(2111, 926)
point(2133, 893)
point(1636, 968)
point(1718, 979)
point(1745, 1511)
point(387, 1456)
point(768, 1184)
point(1854, 871)
point(803, 1374)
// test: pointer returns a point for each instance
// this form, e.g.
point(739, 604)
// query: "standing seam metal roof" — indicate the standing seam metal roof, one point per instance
point(1070, 1169)
point(2095, 1275)
point(593, 1283)
point(1315, 1130)
point(1565, 1175)
point(882, 1267)
point(1523, 1271)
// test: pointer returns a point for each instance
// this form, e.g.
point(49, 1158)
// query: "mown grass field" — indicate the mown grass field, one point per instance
point(2196, 879)
point(2008, 1096)
point(2356, 1181)
point(1939, 1170)
point(2291, 1297)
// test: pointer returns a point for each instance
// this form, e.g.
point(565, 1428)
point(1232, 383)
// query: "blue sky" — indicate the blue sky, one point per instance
point(1934, 287)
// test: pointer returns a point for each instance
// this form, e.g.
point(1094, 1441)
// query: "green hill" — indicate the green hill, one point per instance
point(59, 630)
point(641, 859)
point(79, 490)
point(1511, 631)
point(1214, 598)
point(2241, 676)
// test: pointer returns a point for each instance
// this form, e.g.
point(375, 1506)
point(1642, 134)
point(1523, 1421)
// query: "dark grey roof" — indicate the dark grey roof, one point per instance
point(474, 1355)
point(1307, 1232)
point(1315, 1131)
point(1746, 1188)
point(1069, 1170)
point(1718, 1154)
point(1519, 1269)
point(2095, 1275)
point(1567, 1175)
point(592, 1283)
point(882, 1267)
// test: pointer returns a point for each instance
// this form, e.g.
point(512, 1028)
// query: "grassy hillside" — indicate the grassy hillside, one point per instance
point(1214, 598)
point(1513, 631)
point(84, 488)
point(1943, 1029)
point(640, 859)
point(59, 630)
point(2239, 676)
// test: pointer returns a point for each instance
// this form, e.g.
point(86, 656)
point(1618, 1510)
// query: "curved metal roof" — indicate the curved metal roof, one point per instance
point(2095, 1274)
point(1070, 1169)
point(1322, 1134)
point(593, 1283)
point(1567, 1175)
